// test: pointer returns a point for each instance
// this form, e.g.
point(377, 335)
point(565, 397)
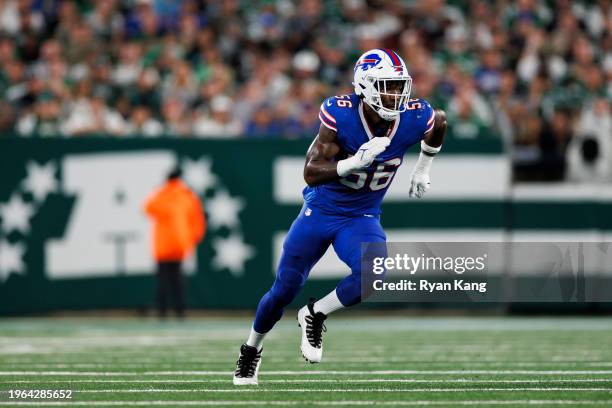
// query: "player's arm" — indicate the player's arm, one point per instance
point(321, 168)
point(430, 146)
point(435, 137)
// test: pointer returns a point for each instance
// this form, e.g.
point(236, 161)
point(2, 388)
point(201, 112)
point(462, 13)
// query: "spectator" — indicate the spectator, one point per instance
point(129, 66)
point(176, 121)
point(178, 226)
point(105, 20)
point(302, 124)
point(589, 154)
point(90, 116)
point(14, 84)
point(466, 123)
point(596, 119)
point(554, 138)
point(588, 161)
point(488, 75)
point(145, 91)
point(180, 84)
point(45, 120)
point(468, 99)
point(221, 123)
point(514, 63)
point(7, 118)
point(263, 124)
point(142, 124)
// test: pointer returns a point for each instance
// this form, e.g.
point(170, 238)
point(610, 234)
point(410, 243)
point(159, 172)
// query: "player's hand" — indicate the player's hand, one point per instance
point(419, 184)
point(369, 150)
point(364, 157)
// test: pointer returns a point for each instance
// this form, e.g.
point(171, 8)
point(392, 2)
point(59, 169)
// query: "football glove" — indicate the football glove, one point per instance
point(419, 183)
point(364, 157)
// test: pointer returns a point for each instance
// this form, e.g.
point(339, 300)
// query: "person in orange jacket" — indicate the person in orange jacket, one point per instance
point(179, 224)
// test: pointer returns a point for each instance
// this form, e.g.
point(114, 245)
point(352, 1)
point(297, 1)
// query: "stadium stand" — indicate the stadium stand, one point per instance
point(536, 73)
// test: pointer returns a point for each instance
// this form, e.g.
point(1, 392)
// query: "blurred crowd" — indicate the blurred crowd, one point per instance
point(536, 73)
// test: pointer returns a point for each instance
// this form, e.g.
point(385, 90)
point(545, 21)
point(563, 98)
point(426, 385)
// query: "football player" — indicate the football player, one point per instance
point(349, 166)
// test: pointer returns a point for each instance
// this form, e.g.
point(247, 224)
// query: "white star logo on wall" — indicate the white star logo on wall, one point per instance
point(232, 253)
point(40, 180)
point(223, 210)
point(11, 259)
point(198, 174)
point(16, 215)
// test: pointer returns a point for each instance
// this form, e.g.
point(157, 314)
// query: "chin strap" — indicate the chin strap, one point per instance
point(390, 119)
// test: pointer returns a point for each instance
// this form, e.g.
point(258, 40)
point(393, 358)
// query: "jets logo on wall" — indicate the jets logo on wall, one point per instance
point(105, 232)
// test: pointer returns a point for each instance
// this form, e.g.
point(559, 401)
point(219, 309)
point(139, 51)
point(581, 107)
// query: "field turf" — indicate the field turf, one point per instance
point(368, 361)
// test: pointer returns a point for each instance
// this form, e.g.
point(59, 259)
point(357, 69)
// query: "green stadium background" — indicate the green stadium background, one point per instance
point(80, 240)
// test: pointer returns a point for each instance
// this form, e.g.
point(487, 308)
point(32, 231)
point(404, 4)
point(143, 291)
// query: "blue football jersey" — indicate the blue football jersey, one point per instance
point(362, 192)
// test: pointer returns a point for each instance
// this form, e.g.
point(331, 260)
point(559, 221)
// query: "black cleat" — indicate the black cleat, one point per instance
point(247, 366)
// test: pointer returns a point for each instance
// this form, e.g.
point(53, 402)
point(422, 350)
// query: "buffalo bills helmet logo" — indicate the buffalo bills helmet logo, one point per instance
point(367, 62)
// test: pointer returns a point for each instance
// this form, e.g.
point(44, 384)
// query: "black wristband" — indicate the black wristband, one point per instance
point(428, 153)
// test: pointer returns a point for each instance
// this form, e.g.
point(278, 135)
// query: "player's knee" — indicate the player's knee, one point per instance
point(289, 280)
point(282, 298)
point(283, 293)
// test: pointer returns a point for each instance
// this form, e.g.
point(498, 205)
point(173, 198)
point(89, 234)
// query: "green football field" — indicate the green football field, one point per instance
point(371, 361)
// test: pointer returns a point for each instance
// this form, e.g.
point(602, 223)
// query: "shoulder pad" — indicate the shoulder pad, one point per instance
point(327, 114)
point(423, 110)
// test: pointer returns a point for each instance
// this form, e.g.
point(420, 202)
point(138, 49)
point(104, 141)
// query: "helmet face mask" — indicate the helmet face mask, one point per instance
point(391, 94)
point(382, 81)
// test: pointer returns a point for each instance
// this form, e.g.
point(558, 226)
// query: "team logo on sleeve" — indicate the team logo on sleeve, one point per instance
point(367, 62)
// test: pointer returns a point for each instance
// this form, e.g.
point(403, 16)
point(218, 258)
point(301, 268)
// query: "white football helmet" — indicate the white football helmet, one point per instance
point(381, 73)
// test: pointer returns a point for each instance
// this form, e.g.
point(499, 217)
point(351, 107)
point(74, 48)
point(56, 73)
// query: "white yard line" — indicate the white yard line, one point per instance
point(342, 390)
point(167, 356)
point(318, 403)
point(314, 372)
point(334, 390)
point(309, 380)
point(24, 353)
point(365, 360)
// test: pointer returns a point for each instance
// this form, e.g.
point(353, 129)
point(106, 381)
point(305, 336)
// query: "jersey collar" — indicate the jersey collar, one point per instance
point(366, 126)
